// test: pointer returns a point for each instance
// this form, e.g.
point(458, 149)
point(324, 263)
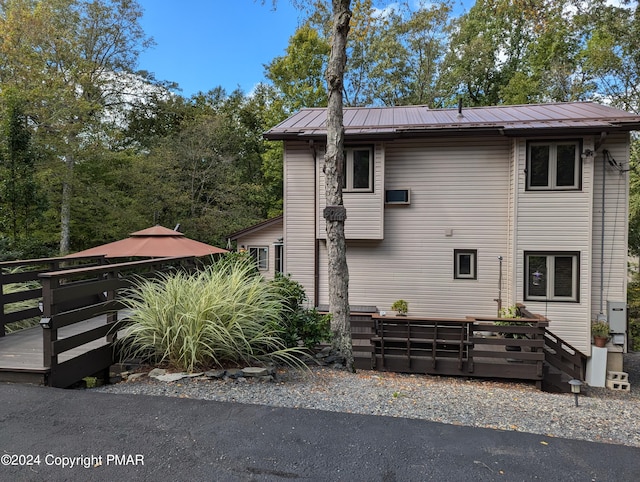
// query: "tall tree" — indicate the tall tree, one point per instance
point(20, 201)
point(335, 212)
point(298, 74)
point(67, 55)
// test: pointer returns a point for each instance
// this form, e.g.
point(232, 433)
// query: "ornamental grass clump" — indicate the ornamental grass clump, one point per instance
point(223, 315)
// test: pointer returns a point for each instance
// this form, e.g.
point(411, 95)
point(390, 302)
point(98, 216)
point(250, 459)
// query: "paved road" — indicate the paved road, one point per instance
point(129, 438)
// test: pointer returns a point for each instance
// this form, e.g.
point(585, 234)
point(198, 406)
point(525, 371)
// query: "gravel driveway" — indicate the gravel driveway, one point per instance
point(602, 415)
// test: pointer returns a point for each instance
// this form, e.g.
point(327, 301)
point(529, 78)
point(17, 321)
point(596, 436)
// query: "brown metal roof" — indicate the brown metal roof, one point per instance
point(408, 121)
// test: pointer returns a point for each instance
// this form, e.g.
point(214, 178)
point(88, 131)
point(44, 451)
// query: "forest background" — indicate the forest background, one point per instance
point(92, 148)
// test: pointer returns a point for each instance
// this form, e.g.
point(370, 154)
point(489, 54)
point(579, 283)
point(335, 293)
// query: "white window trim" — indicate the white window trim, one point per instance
point(550, 276)
point(260, 249)
point(348, 162)
point(553, 164)
point(474, 263)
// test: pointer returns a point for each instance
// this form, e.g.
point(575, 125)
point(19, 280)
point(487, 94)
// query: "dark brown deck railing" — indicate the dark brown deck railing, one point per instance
point(78, 295)
point(28, 271)
point(460, 347)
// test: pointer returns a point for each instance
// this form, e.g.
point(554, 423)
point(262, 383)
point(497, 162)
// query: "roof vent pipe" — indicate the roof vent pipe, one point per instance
point(460, 107)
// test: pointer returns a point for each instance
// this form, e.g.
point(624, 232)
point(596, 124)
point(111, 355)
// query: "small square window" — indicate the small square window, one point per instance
point(261, 257)
point(551, 276)
point(553, 165)
point(465, 264)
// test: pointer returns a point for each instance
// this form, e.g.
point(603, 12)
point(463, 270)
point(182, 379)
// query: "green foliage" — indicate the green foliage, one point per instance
point(508, 312)
point(600, 329)
point(634, 334)
point(222, 315)
point(633, 301)
point(301, 326)
point(401, 307)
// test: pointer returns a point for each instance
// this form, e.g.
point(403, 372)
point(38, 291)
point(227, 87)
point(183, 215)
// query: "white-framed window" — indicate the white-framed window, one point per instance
point(358, 172)
point(261, 255)
point(465, 265)
point(553, 165)
point(552, 276)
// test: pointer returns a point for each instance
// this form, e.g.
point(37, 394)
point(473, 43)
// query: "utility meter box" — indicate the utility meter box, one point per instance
point(617, 316)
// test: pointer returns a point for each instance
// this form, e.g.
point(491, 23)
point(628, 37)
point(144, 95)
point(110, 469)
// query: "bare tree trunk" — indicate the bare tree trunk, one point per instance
point(335, 213)
point(65, 209)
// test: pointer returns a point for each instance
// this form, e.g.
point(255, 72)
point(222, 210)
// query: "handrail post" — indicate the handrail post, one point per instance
point(112, 317)
point(2, 329)
point(49, 331)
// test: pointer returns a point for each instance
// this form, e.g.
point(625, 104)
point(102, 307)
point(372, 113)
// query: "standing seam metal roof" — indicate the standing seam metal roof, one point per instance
point(367, 121)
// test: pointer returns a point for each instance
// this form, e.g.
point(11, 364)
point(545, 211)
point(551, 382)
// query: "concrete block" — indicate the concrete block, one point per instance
point(622, 386)
point(618, 376)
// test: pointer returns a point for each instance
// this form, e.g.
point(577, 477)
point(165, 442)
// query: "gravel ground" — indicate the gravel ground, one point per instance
point(602, 415)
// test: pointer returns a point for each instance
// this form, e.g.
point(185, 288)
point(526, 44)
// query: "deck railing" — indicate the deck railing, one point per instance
point(70, 297)
point(460, 347)
point(23, 304)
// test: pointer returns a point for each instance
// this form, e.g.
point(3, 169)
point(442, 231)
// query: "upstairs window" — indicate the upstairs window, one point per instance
point(551, 276)
point(553, 165)
point(358, 173)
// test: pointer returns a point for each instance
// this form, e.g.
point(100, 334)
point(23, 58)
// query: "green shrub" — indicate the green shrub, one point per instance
point(222, 315)
point(299, 324)
point(634, 335)
point(633, 300)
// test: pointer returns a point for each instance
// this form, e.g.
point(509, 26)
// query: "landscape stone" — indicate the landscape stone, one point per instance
point(255, 372)
point(216, 373)
point(135, 376)
point(171, 377)
point(234, 372)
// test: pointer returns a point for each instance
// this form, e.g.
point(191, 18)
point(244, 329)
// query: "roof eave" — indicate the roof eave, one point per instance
point(458, 131)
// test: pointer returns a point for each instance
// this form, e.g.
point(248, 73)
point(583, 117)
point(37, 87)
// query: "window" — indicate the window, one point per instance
point(464, 264)
point(551, 276)
point(261, 255)
point(358, 173)
point(279, 257)
point(553, 165)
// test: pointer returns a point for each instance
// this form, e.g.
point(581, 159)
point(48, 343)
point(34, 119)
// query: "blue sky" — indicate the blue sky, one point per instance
point(202, 44)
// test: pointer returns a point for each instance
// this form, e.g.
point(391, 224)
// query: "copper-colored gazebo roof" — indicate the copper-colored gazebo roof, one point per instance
point(155, 242)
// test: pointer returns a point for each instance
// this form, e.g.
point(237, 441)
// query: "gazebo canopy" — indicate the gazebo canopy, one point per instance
point(154, 242)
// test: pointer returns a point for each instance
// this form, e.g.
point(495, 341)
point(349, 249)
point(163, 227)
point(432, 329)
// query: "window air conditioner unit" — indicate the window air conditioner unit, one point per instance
point(397, 196)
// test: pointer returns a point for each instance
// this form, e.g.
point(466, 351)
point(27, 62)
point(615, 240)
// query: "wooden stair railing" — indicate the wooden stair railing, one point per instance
point(564, 357)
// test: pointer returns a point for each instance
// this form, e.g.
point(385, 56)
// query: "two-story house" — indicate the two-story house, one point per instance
point(457, 210)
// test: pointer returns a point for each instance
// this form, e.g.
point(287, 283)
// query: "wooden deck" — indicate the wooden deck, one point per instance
point(22, 352)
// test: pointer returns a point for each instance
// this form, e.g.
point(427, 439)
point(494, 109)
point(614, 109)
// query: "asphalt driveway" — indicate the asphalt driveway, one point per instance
point(54, 435)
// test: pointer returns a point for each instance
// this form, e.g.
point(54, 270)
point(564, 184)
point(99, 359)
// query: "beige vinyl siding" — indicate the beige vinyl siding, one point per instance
point(557, 221)
point(266, 238)
point(365, 218)
point(299, 214)
point(616, 225)
point(459, 186)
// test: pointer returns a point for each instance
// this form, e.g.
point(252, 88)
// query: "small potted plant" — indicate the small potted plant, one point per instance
point(600, 332)
point(401, 307)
